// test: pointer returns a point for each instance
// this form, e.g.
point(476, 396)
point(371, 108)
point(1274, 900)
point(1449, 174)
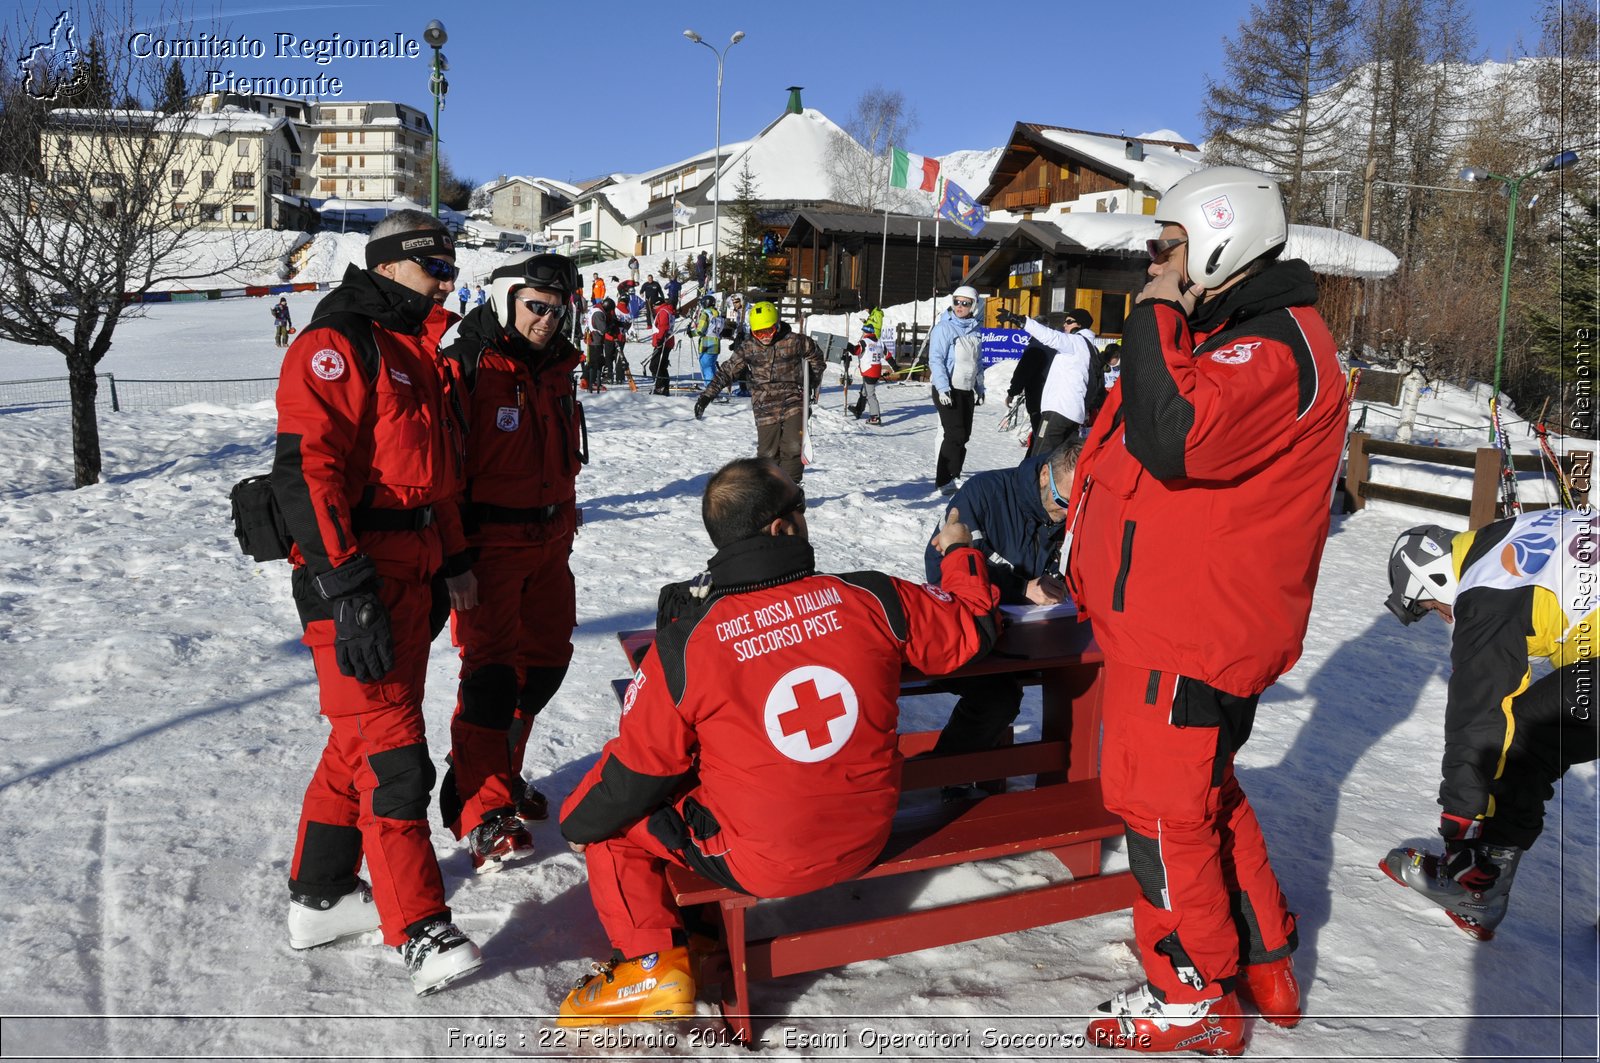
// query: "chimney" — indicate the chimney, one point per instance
point(1133, 150)
point(794, 100)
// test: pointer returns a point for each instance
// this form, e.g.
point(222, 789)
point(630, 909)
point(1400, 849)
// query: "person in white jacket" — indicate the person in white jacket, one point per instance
point(1061, 405)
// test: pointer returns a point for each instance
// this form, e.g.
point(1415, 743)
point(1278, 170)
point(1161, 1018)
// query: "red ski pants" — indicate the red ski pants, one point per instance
point(369, 794)
point(526, 612)
point(1208, 901)
point(628, 885)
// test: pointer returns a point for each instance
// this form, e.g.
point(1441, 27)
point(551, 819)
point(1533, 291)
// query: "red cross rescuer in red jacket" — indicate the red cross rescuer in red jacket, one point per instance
point(1200, 509)
point(524, 449)
point(366, 475)
point(782, 782)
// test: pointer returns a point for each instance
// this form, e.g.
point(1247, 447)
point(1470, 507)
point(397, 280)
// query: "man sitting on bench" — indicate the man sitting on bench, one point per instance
point(782, 782)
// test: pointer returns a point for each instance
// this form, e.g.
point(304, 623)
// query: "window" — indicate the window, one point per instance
point(349, 137)
point(210, 212)
point(705, 233)
point(244, 149)
point(328, 186)
point(362, 184)
point(61, 144)
point(243, 179)
point(349, 113)
point(329, 138)
point(516, 199)
point(244, 212)
point(207, 178)
point(363, 162)
point(175, 178)
point(178, 211)
point(327, 162)
point(105, 179)
point(586, 230)
point(363, 136)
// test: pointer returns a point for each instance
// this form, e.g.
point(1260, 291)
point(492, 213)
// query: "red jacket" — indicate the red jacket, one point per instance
point(351, 433)
point(777, 708)
point(1201, 502)
point(525, 437)
point(664, 316)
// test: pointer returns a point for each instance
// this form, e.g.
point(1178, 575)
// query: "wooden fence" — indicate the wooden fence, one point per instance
point(1484, 505)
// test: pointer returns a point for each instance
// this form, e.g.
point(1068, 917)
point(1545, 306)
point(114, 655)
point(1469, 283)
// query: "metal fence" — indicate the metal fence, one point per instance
point(125, 393)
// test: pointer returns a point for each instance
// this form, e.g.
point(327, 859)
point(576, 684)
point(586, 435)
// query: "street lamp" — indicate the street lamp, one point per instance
point(435, 36)
point(716, 168)
point(1513, 188)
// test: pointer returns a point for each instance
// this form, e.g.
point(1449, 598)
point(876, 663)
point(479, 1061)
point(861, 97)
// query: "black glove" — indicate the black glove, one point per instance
point(363, 644)
point(1006, 317)
point(978, 401)
point(700, 405)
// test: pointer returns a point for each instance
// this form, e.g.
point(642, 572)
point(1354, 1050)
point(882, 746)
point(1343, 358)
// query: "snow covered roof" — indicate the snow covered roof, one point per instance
point(789, 159)
point(550, 185)
point(1163, 157)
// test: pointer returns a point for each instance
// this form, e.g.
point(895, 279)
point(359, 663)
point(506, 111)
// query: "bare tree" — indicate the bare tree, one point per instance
point(1277, 106)
point(92, 208)
point(859, 161)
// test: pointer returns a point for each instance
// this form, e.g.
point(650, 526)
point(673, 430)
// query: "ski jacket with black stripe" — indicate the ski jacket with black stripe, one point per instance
point(1201, 502)
point(775, 705)
point(367, 417)
point(1528, 588)
point(525, 429)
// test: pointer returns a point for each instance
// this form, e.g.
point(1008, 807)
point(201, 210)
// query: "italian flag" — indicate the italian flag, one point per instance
point(913, 171)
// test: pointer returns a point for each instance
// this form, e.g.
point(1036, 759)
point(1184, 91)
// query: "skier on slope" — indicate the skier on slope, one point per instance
point(773, 354)
point(1518, 588)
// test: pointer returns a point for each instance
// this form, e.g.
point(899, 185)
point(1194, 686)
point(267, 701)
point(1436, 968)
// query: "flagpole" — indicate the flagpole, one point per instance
point(883, 253)
point(916, 277)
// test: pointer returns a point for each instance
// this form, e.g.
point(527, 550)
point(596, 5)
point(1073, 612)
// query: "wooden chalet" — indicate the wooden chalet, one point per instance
point(842, 258)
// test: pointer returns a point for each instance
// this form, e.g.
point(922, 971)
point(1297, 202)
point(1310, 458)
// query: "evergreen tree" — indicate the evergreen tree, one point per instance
point(91, 79)
point(174, 90)
point(742, 266)
point(1564, 326)
point(1267, 112)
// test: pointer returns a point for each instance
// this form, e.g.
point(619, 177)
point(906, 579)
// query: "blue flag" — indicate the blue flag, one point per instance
point(955, 205)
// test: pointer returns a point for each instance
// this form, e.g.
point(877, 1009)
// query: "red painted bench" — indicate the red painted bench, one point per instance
point(1062, 815)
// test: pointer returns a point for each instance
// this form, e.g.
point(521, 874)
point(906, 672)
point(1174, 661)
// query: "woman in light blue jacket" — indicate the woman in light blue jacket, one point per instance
point(955, 361)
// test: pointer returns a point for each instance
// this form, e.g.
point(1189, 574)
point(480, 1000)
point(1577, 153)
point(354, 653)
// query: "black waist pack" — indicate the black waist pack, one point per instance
point(257, 523)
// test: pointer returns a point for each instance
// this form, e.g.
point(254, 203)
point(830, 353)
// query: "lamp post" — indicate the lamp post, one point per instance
point(1513, 189)
point(437, 84)
point(716, 168)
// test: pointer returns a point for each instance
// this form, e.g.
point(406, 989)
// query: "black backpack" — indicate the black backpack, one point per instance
point(1095, 393)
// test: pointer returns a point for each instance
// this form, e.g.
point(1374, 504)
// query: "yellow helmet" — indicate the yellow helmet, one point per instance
point(763, 315)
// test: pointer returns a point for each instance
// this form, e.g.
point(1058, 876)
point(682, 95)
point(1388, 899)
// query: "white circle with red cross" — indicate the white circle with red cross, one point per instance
point(328, 364)
point(811, 713)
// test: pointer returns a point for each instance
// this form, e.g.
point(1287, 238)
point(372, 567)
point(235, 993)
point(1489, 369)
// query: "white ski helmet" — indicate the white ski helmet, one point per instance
point(966, 291)
point(1421, 569)
point(546, 272)
point(1232, 217)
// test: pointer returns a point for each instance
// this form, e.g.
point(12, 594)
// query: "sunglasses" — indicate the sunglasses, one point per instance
point(961, 302)
point(538, 309)
point(1161, 250)
point(791, 507)
point(1055, 492)
point(437, 268)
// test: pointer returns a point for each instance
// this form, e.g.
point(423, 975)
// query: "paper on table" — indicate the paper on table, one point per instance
point(1027, 614)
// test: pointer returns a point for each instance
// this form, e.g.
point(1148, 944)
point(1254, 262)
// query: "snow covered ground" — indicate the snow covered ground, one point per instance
point(160, 727)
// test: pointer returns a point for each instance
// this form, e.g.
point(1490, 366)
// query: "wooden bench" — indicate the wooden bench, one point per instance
point(1062, 815)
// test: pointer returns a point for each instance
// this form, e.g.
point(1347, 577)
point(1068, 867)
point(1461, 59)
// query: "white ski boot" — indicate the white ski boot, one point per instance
point(317, 921)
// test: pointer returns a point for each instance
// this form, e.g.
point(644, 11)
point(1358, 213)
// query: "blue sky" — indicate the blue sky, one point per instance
point(575, 90)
